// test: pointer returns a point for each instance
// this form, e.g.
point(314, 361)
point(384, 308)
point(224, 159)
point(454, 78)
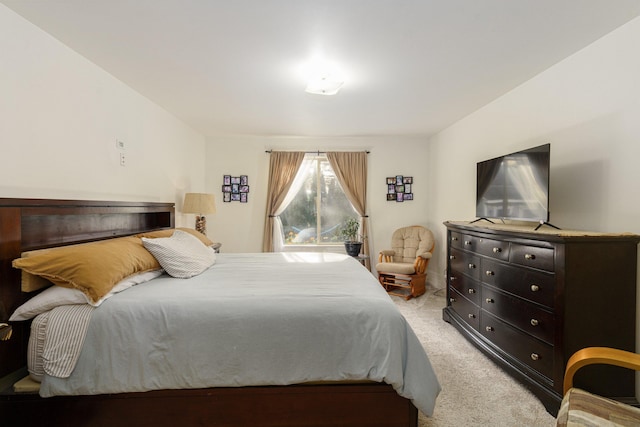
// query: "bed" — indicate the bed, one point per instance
point(286, 352)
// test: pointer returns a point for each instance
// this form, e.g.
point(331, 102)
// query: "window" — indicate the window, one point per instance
point(318, 206)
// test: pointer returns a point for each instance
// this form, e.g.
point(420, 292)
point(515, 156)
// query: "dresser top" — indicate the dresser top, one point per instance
point(544, 232)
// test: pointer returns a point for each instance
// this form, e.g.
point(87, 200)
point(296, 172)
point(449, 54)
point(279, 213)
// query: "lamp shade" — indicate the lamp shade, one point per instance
point(199, 203)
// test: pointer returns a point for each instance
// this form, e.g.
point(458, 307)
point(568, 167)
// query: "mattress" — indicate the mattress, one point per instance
point(252, 319)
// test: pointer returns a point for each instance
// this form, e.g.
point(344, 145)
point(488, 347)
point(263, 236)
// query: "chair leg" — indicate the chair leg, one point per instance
point(418, 284)
point(403, 285)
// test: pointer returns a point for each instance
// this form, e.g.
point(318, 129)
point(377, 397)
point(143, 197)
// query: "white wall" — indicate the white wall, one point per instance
point(238, 226)
point(588, 108)
point(60, 116)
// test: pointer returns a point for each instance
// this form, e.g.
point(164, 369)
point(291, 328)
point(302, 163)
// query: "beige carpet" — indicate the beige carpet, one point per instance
point(475, 391)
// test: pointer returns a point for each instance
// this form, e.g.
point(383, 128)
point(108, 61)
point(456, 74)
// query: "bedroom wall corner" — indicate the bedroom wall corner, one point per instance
point(239, 226)
point(586, 106)
point(61, 117)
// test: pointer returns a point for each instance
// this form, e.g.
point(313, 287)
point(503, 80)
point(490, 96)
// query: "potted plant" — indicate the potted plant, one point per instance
point(349, 232)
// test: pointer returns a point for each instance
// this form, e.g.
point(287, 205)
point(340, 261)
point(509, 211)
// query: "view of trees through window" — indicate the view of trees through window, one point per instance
point(319, 208)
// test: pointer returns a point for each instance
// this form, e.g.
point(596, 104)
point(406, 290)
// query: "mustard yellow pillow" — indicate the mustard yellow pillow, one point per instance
point(168, 233)
point(93, 268)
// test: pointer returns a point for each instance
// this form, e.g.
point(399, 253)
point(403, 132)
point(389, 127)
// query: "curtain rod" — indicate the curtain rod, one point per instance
point(315, 152)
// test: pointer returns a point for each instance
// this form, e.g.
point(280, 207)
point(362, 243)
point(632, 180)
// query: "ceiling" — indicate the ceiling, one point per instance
point(410, 67)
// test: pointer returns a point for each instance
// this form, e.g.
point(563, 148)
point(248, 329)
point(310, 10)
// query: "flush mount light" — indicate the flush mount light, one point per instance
point(324, 85)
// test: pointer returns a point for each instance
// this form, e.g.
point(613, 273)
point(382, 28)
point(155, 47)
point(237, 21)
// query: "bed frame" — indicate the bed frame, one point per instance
point(28, 224)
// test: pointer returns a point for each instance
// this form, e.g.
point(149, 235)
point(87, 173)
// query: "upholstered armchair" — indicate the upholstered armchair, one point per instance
point(402, 269)
point(580, 407)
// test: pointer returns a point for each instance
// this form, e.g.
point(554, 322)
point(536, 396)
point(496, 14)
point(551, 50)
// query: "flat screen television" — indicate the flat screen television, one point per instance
point(515, 186)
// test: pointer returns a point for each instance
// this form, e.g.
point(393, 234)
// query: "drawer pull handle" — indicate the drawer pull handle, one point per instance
point(467, 242)
point(529, 256)
point(535, 288)
point(472, 266)
point(453, 278)
point(489, 300)
point(452, 257)
point(489, 273)
point(535, 356)
point(472, 316)
point(455, 239)
point(497, 250)
point(472, 291)
point(452, 300)
point(534, 322)
point(489, 328)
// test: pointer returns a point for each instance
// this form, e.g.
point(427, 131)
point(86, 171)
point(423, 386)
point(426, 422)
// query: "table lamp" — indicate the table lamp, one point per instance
point(199, 204)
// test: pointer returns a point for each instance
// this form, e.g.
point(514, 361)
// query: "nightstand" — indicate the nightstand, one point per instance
point(362, 258)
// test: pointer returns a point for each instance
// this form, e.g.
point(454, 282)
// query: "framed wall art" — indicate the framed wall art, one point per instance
point(235, 188)
point(399, 188)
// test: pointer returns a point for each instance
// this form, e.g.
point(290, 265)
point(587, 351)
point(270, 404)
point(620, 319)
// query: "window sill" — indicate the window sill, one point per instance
point(337, 249)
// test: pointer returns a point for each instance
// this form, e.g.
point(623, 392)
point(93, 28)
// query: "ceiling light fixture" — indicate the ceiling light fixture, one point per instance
point(324, 85)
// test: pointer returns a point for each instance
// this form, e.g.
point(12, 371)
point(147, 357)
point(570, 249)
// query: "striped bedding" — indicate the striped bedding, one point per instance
point(56, 340)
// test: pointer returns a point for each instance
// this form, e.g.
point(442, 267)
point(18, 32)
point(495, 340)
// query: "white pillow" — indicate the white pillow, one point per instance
point(56, 296)
point(182, 255)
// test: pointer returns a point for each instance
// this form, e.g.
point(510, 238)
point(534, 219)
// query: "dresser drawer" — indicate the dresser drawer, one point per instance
point(465, 286)
point(524, 282)
point(532, 256)
point(455, 239)
point(493, 248)
point(467, 310)
point(466, 263)
point(469, 242)
point(530, 318)
point(464, 241)
point(528, 350)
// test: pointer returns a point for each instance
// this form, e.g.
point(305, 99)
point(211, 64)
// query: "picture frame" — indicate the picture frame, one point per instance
point(235, 188)
point(399, 188)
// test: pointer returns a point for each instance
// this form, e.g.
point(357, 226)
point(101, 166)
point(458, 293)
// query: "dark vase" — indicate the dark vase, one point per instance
point(353, 248)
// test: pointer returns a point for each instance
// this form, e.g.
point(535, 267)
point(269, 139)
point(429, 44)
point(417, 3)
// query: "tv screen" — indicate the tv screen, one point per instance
point(515, 186)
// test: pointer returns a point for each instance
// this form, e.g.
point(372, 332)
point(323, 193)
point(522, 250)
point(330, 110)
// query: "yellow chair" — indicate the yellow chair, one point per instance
point(402, 269)
point(580, 408)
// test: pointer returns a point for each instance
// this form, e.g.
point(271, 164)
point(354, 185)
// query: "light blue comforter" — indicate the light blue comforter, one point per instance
point(252, 319)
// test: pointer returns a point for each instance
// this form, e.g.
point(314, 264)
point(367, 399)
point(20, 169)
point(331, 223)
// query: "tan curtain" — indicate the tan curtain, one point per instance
point(283, 167)
point(351, 170)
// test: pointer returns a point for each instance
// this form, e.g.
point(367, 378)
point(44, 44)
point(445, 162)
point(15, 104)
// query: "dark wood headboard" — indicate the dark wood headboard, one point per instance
point(28, 224)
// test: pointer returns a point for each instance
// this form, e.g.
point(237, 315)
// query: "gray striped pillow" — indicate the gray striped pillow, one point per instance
point(181, 255)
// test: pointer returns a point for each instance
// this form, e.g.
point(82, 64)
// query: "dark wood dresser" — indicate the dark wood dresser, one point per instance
point(530, 299)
